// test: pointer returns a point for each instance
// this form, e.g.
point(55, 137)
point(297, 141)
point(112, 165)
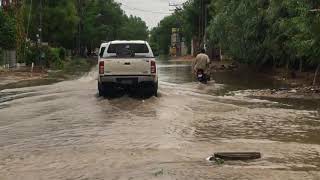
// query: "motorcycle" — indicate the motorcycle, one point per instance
point(201, 76)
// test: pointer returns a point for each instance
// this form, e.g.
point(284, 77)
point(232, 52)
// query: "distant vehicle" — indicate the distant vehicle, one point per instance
point(127, 64)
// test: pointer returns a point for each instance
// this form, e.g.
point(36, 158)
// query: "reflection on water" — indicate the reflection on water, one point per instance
point(65, 131)
point(181, 72)
point(246, 79)
point(175, 72)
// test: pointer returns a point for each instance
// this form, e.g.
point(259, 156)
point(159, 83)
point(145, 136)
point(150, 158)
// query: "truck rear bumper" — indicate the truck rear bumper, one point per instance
point(127, 80)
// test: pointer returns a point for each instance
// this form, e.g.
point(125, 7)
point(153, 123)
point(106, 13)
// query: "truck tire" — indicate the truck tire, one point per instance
point(155, 89)
point(105, 89)
point(101, 89)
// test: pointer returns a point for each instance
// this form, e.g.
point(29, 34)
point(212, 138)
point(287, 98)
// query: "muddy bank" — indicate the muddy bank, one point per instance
point(25, 78)
point(8, 77)
point(303, 98)
point(286, 85)
point(21, 78)
point(297, 85)
point(298, 92)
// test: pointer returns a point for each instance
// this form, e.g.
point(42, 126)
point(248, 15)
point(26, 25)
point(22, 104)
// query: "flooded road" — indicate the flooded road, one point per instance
point(65, 131)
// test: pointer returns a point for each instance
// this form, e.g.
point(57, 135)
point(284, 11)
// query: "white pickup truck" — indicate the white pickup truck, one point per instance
point(126, 64)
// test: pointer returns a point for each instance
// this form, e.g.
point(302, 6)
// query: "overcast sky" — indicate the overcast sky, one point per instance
point(151, 11)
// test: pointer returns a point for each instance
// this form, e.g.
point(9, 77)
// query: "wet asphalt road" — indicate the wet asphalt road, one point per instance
point(65, 131)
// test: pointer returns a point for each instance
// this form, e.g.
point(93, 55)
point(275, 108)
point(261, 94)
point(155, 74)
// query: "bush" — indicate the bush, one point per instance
point(50, 57)
point(62, 53)
point(54, 59)
point(31, 55)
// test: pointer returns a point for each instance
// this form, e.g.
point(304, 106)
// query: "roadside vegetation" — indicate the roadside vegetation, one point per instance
point(68, 28)
point(262, 33)
point(69, 31)
point(71, 69)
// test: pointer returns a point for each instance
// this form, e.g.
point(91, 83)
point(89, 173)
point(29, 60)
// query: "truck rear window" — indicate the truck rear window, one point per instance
point(134, 48)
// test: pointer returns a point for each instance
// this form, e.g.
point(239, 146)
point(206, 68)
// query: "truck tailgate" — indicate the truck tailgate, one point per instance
point(129, 66)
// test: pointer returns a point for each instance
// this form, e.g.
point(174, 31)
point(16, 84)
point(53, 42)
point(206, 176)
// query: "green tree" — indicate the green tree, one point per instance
point(7, 31)
point(161, 35)
point(239, 28)
point(134, 28)
point(315, 43)
point(59, 21)
point(102, 20)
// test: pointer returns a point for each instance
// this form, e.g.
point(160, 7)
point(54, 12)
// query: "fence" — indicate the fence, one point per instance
point(8, 59)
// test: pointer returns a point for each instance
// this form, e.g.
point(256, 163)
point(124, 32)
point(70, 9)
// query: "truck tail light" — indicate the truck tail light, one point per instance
point(153, 67)
point(101, 67)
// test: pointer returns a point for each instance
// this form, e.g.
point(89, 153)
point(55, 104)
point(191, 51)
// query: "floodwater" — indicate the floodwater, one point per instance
point(65, 131)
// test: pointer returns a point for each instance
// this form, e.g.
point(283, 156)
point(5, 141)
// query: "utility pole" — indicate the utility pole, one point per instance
point(40, 24)
point(205, 21)
point(40, 34)
point(175, 5)
point(177, 33)
point(79, 26)
point(202, 22)
point(19, 7)
point(199, 23)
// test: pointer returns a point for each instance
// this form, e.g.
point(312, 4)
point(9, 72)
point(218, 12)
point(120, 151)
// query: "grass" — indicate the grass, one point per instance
point(73, 68)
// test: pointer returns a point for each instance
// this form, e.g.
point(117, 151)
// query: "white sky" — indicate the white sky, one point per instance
point(151, 11)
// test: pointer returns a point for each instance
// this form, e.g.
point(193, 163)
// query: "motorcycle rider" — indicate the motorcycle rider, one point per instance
point(202, 62)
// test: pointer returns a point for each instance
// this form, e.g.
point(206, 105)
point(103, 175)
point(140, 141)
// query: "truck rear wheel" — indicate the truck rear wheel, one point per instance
point(155, 89)
point(101, 89)
point(104, 89)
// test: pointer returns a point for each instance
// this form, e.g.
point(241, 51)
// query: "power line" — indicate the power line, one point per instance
point(141, 10)
point(177, 7)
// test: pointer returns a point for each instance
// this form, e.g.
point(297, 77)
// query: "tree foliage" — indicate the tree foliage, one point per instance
point(265, 32)
point(59, 20)
point(101, 21)
point(186, 19)
point(259, 32)
point(65, 24)
point(97, 20)
point(7, 31)
point(105, 20)
point(134, 28)
point(161, 35)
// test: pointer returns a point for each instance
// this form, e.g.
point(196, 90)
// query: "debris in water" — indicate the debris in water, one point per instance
point(216, 160)
point(158, 173)
point(220, 157)
point(293, 91)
